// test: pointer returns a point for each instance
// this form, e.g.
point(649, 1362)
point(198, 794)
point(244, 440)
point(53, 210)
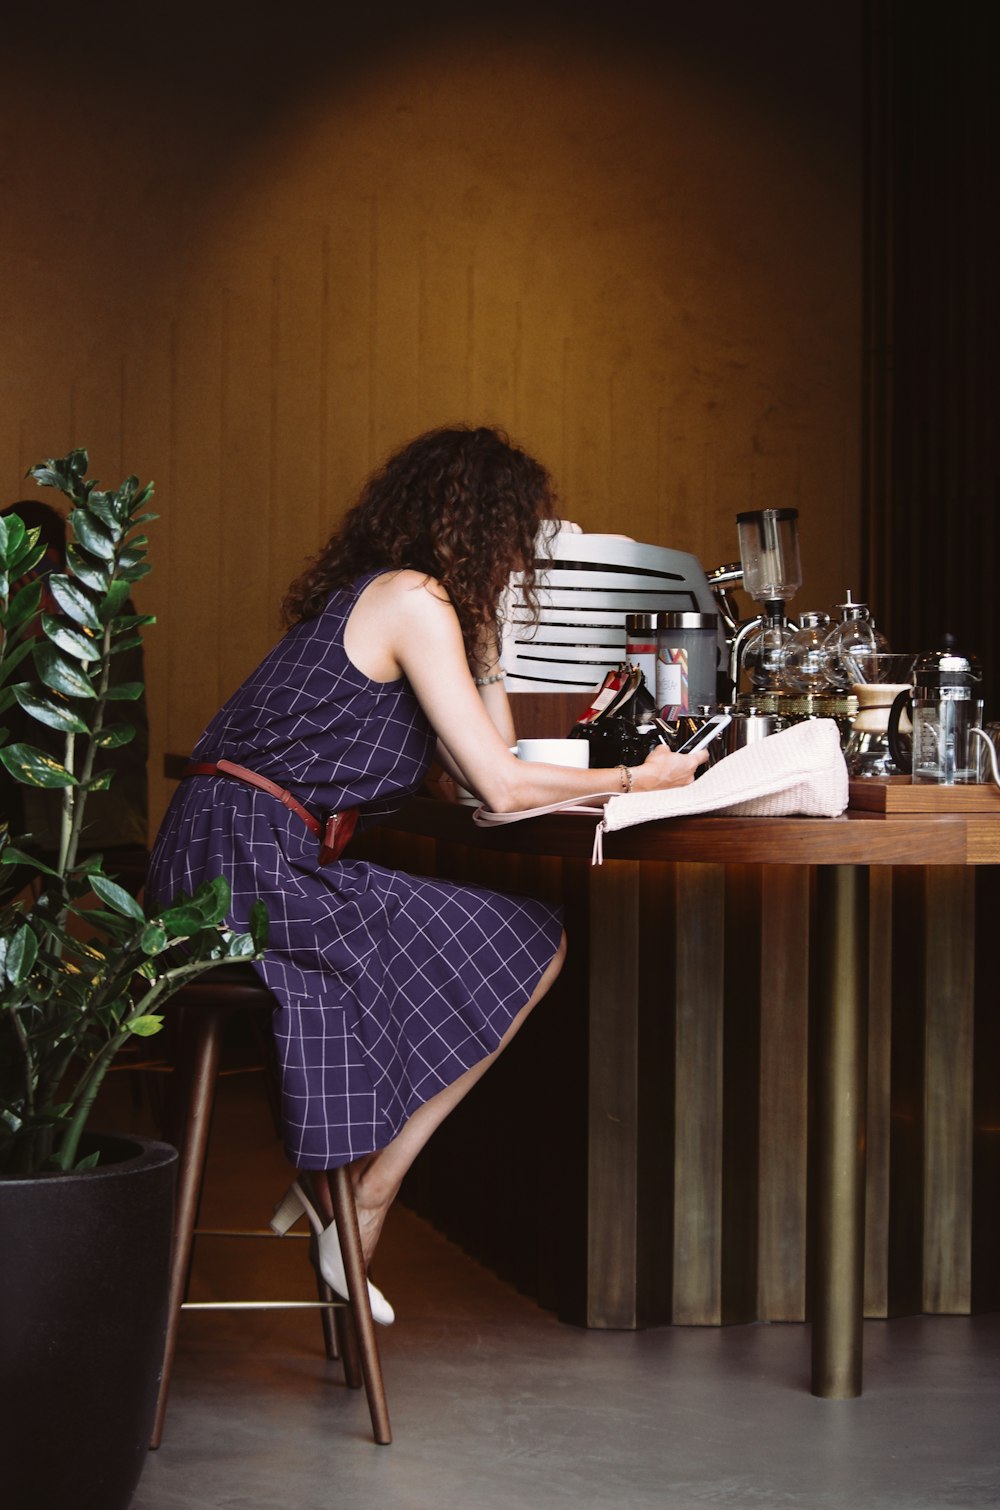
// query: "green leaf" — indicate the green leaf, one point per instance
point(55, 473)
point(121, 929)
point(99, 542)
point(116, 897)
point(66, 473)
point(62, 675)
point(13, 658)
point(132, 621)
point(135, 573)
point(125, 692)
point(75, 603)
point(90, 864)
point(98, 783)
point(153, 939)
point(240, 946)
point(89, 1161)
point(258, 924)
point(17, 535)
point(113, 601)
point(73, 641)
point(47, 711)
point(105, 507)
point(45, 474)
point(212, 899)
point(113, 739)
point(182, 921)
point(145, 1027)
point(22, 953)
point(14, 856)
point(34, 768)
point(84, 567)
point(23, 605)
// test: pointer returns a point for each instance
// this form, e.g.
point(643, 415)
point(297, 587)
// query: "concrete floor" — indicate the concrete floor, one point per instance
point(495, 1405)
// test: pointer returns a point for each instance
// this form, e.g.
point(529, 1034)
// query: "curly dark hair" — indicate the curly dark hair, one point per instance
point(463, 505)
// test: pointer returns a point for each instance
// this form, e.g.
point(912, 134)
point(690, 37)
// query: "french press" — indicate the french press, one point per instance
point(943, 711)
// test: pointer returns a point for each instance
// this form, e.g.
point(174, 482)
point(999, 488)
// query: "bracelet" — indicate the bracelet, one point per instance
point(487, 681)
point(626, 775)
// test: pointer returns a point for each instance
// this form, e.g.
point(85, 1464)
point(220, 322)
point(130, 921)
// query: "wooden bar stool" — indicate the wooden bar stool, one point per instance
point(204, 1007)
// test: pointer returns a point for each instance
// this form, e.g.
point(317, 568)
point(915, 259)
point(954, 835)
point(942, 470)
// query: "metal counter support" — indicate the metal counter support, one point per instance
point(841, 1024)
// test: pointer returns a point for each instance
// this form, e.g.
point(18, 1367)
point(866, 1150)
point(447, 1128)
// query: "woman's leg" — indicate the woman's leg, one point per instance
point(378, 1176)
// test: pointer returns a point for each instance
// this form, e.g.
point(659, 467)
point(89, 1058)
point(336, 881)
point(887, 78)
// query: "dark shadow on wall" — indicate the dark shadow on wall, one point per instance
point(932, 443)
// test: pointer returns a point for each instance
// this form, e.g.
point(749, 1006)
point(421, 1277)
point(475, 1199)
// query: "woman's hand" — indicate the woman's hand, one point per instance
point(662, 768)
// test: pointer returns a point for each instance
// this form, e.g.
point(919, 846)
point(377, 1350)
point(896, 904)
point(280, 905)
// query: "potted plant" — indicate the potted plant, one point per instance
point(84, 969)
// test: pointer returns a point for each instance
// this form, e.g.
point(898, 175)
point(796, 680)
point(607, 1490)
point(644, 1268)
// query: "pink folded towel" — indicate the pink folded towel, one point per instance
point(800, 770)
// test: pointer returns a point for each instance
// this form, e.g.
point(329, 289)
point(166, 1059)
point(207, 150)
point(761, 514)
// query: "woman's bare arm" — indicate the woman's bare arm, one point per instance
point(404, 624)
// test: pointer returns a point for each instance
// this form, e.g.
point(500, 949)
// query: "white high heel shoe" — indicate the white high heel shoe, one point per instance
point(296, 1203)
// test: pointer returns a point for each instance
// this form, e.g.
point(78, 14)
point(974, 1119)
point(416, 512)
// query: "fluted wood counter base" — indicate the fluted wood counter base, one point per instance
point(730, 1076)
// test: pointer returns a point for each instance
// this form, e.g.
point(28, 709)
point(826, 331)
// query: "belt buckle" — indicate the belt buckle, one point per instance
point(337, 832)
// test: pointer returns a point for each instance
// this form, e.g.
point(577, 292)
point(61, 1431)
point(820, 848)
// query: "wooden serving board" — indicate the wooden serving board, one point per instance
point(897, 794)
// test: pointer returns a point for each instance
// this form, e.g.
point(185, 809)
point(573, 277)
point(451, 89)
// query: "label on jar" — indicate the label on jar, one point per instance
point(672, 682)
point(642, 653)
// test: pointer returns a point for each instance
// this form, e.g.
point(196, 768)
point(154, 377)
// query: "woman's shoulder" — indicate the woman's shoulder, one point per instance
point(406, 585)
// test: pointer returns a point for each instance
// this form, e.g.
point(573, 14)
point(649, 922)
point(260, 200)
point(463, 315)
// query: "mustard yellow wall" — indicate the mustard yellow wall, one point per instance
point(249, 271)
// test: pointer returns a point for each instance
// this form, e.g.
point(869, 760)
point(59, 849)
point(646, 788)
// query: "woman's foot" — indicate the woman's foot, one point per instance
point(327, 1254)
point(371, 1201)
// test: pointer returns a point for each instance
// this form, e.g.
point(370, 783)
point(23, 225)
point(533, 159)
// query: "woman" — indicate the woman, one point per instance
point(394, 993)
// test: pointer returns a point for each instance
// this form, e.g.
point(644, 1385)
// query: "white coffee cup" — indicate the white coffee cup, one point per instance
point(572, 752)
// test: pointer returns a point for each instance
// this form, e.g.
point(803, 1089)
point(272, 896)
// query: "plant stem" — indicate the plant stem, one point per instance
point(88, 759)
point(30, 1075)
point(69, 1143)
point(68, 807)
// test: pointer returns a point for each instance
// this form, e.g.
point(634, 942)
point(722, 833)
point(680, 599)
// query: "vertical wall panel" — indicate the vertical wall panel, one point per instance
point(346, 317)
point(298, 516)
point(245, 501)
point(395, 307)
point(192, 515)
point(444, 335)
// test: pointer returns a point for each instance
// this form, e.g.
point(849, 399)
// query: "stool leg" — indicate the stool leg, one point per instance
point(203, 1067)
point(329, 1317)
point(345, 1340)
point(346, 1216)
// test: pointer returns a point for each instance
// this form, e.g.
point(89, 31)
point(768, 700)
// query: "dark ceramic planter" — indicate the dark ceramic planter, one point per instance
point(84, 1264)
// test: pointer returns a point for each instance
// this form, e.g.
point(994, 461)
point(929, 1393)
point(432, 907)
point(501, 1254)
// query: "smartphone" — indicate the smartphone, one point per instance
point(705, 734)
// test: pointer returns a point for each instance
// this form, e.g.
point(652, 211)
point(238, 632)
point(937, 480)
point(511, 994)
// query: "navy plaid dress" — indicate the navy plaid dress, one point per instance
point(389, 986)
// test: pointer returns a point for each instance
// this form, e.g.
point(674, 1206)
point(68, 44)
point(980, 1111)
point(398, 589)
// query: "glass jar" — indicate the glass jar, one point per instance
point(687, 661)
point(806, 659)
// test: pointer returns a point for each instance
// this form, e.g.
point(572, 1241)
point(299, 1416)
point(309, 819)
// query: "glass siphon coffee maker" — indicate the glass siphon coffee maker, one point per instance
point(769, 553)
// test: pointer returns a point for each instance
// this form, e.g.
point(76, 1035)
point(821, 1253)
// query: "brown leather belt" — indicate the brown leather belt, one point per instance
point(333, 833)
